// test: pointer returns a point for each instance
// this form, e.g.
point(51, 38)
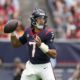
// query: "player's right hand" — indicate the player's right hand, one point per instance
point(38, 41)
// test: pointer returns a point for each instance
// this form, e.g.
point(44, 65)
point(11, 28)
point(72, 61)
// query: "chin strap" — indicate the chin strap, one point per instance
point(39, 26)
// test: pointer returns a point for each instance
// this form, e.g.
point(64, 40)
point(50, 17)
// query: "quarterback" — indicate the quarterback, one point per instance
point(40, 42)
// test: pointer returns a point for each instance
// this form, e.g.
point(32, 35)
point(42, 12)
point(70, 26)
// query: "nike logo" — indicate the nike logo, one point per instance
point(45, 67)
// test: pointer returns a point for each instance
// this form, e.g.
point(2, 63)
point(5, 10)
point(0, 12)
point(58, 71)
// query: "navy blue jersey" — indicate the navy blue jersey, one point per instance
point(36, 56)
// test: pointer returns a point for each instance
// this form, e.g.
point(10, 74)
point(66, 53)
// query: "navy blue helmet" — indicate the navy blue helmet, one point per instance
point(38, 13)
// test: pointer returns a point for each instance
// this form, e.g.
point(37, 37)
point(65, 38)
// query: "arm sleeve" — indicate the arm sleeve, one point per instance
point(23, 39)
point(50, 40)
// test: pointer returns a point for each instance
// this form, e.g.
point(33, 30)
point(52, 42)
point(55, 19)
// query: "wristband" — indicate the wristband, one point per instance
point(44, 48)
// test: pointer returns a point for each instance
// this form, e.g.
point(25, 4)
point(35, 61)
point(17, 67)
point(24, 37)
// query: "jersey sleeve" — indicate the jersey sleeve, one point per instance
point(23, 39)
point(50, 40)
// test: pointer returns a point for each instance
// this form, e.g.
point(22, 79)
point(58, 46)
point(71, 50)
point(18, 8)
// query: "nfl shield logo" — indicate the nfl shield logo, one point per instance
point(27, 35)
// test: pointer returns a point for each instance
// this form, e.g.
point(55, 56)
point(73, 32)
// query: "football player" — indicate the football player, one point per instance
point(40, 43)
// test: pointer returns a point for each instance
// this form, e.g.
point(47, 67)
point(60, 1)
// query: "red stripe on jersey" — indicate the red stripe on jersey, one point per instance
point(49, 30)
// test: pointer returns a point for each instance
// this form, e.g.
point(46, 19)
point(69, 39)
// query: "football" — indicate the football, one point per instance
point(10, 26)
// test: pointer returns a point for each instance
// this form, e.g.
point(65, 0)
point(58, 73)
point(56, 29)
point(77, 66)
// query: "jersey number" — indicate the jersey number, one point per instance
point(34, 48)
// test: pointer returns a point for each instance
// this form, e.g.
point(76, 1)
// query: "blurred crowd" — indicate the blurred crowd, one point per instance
point(9, 9)
point(15, 69)
point(76, 73)
point(66, 18)
point(18, 68)
point(65, 13)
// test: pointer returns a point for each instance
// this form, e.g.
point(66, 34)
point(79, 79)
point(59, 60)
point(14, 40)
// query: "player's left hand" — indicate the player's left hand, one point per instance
point(38, 41)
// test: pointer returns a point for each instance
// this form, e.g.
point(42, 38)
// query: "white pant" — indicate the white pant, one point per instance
point(37, 71)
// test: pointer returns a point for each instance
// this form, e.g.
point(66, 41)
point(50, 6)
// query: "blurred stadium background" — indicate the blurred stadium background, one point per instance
point(63, 17)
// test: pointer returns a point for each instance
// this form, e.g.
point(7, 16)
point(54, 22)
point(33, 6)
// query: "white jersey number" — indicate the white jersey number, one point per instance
point(34, 48)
